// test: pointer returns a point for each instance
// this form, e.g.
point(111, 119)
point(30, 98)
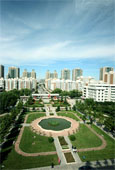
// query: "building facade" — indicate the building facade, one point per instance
point(100, 92)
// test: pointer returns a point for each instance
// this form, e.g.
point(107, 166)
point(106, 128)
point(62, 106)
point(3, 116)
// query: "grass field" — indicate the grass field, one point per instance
point(85, 138)
point(34, 116)
point(107, 153)
point(16, 161)
point(33, 143)
point(67, 114)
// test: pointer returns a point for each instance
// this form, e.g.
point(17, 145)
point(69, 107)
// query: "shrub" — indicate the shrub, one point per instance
point(50, 139)
point(72, 138)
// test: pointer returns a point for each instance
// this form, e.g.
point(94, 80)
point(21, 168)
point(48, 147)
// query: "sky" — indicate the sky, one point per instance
point(56, 34)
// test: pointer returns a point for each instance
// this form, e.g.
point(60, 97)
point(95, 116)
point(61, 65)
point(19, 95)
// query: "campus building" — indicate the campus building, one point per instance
point(100, 92)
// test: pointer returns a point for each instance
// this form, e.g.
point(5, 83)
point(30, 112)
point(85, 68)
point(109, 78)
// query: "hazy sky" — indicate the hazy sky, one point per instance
point(56, 34)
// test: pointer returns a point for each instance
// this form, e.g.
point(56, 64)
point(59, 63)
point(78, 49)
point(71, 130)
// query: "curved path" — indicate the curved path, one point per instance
point(37, 128)
point(104, 143)
point(18, 150)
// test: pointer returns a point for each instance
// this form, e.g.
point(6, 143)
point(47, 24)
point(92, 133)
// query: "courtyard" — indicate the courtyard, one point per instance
point(42, 145)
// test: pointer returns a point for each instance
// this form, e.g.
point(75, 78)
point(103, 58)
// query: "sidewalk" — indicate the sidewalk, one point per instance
point(95, 164)
point(59, 151)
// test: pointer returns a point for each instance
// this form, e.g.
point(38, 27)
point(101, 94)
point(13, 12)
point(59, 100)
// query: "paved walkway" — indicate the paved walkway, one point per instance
point(59, 151)
point(75, 155)
point(25, 124)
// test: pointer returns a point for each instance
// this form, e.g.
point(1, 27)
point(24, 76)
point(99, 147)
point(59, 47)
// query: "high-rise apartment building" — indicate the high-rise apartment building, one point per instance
point(1, 71)
point(26, 74)
point(51, 75)
point(65, 74)
point(47, 74)
point(33, 74)
point(77, 72)
point(55, 74)
point(103, 71)
point(13, 72)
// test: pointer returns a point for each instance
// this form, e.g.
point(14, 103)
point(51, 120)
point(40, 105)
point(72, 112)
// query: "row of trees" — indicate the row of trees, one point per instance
point(9, 99)
point(102, 112)
point(8, 120)
point(72, 94)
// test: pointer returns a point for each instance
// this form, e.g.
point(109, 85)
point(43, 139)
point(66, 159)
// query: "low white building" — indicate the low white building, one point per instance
point(11, 84)
point(100, 92)
point(66, 85)
point(18, 83)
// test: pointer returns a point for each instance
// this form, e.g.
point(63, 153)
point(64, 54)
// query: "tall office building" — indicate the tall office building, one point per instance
point(77, 72)
point(105, 74)
point(65, 74)
point(1, 71)
point(33, 74)
point(13, 72)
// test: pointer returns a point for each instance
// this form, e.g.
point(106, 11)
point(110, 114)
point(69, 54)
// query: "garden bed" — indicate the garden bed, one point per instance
point(69, 157)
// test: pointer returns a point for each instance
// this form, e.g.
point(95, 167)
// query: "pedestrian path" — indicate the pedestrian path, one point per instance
point(75, 155)
point(59, 151)
point(102, 164)
point(47, 111)
point(25, 124)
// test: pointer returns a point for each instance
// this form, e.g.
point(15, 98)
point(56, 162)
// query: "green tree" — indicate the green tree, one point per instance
point(58, 109)
point(74, 108)
point(57, 90)
point(110, 124)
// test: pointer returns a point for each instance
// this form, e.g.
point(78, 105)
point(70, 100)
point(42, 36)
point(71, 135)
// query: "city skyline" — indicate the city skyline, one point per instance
point(54, 35)
point(6, 70)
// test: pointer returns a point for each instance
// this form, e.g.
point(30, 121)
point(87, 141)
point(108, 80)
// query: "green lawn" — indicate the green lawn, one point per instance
point(85, 138)
point(67, 114)
point(34, 116)
point(33, 143)
point(107, 153)
point(16, 161)
point(61, 104)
